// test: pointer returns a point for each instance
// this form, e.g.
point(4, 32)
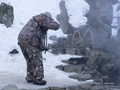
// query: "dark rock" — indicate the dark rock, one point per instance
point(82, 77)
point(11, 87)
point(65, 61)
point(71, 51)
point(106, 80)
point(78, 61)
point(107, 69)
point(14, 51)
point(6, 14)
point(85, 86)
point(60, 67)
point(70, 68)
point(53, 38)
point(73, 68)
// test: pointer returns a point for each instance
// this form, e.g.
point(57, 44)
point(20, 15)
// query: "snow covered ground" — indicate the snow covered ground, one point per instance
point(13, 67)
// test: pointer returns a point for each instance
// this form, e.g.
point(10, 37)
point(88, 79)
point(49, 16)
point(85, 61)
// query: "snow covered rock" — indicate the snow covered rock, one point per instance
point(63, 18)
point(6, 14)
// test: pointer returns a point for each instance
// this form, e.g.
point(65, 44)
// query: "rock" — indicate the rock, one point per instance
point(106, 80)
point(63, 19)
point(86, 86)
point(70, 68)
point(14, 51)
point(82, 77)
point(107, 69)
point(97, 59)
point(11, 87)
point(53, 38)
point(6, 14)
point(78, 61)
point(75, 88)
point(60, 67)
point(55, 88)
point(73, 68)
point(100, 63)
point(71, 51)
point(101, 87)
point(65, 61)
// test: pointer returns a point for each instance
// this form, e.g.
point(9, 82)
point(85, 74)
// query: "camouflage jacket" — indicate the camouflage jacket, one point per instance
point(31, 33)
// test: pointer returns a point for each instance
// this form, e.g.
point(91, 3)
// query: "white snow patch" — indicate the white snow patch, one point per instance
point(5, 1)
point(77, 10)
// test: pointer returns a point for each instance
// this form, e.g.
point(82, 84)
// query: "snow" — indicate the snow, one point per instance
point(116, 14)
point(13, 67)
point(5, 1)
point(77, 10)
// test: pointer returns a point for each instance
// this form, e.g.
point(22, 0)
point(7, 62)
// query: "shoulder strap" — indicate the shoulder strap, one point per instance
point(42, 30)
point(41, 27)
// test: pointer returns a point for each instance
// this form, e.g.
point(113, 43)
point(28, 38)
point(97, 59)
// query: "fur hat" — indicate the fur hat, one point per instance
point(48, 14)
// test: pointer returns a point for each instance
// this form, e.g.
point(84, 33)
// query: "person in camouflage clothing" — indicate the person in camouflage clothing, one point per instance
point(32, 42)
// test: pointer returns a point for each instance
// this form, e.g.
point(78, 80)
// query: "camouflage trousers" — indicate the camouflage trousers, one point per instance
point(34, 61)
